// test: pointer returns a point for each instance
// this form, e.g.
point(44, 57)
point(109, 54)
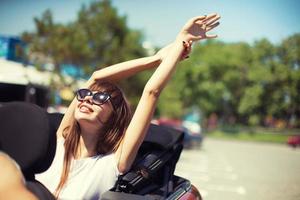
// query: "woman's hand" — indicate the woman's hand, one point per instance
point(196, 28)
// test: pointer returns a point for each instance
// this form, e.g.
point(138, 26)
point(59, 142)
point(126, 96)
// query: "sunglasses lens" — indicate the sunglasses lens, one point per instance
point(82, 93)
point(100, 97)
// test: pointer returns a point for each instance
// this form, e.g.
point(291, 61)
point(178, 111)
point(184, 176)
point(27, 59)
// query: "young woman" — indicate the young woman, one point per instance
point(98, 137)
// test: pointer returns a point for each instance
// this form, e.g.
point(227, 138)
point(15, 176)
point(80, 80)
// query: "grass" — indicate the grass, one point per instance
point(251, 134)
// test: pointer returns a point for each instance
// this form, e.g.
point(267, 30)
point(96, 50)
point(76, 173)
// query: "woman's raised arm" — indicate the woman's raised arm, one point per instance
point(195, 29)
point(126, 69)
point(115, 73)
point(112, 73)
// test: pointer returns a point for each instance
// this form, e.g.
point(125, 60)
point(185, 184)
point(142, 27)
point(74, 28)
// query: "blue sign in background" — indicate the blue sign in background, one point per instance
point(11, 48)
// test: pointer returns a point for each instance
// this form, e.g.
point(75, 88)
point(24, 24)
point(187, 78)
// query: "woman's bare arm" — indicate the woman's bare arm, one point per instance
point(193, 30)
point(126, 69)
point(12, 185)
point(112, 73)
point(115, 73)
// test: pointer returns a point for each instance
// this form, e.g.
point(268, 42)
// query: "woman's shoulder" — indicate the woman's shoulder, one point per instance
point(60, 142)
point(60, 149)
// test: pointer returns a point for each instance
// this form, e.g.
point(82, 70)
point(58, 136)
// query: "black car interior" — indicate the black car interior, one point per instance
point(28, 135)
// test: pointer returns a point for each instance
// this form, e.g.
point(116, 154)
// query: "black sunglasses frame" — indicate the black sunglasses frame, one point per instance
point(94, 95)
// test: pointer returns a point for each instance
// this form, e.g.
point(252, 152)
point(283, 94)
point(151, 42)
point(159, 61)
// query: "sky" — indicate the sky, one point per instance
point(160, 20)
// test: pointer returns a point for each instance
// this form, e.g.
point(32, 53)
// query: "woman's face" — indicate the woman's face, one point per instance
point(87, 112)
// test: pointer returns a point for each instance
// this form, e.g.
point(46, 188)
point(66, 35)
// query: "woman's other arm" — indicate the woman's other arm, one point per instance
point(114, 73)
point(195, 29)
point(117, 72)
point(126, 69)
point(12, 184)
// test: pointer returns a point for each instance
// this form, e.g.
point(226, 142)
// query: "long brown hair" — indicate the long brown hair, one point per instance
point(112, 132)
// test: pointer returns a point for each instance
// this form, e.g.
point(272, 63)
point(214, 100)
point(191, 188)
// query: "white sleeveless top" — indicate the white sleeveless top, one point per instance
point(88, 177)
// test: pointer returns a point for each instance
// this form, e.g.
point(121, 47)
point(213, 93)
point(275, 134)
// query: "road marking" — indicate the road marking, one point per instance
point(206, 171)
point(228, 169)
point(241, 190)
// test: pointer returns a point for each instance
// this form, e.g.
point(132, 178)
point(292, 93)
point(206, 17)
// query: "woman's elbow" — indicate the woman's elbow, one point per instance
point(94, 76)
point(123, 168)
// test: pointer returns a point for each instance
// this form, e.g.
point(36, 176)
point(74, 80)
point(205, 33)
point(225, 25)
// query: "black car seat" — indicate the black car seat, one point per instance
point(29, 137)
point(152, 173)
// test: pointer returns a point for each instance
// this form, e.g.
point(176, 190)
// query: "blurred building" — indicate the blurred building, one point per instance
point(20, 81)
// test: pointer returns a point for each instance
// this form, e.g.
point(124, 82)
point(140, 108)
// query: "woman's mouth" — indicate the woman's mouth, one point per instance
point(85, 109)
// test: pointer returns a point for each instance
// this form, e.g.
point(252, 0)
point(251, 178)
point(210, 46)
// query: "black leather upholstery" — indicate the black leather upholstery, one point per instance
point(27, 136)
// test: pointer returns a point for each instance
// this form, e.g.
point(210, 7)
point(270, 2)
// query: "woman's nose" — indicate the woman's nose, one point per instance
point(88, 99)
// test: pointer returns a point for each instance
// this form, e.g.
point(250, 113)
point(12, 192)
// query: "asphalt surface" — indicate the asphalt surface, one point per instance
point(234, 170)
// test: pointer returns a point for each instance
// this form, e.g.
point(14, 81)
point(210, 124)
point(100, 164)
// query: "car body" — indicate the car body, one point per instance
point(184, 190)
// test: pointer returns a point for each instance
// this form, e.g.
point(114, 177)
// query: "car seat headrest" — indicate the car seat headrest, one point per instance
point(163, 136)
point(27, 136)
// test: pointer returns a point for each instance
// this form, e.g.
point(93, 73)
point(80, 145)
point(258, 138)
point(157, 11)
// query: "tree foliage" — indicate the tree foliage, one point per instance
point(98, 38)
point(240, 81)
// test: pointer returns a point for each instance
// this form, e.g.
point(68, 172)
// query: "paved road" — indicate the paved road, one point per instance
point(230, 170)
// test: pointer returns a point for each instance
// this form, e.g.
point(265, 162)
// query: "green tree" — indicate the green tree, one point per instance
point(247, 82)
point(98, 38)
point(238, 80)
point(213, 77)
point(259, 78)
point(289, 71)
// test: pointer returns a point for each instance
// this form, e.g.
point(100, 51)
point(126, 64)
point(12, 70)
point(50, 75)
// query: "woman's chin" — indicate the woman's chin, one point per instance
point(87, 117)
point(89, 124)
point(83, 117)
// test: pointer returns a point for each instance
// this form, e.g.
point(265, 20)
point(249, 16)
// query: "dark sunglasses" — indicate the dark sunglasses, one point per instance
point(98, 98)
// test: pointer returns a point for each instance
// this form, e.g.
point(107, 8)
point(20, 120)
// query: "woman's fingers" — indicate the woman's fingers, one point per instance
point(212, 20)
point(208, 21)
point(198, 26)
point(211, 36)
point(198, 18)
point(212, 26)
point(205, 18)
point(212, 15)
